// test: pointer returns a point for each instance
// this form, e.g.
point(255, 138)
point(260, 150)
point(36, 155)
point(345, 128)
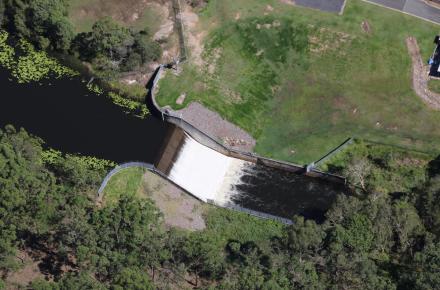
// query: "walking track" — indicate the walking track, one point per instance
point(420, 76)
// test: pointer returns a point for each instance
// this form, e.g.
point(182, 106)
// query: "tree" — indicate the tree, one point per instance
point(356, 233)
point(110, 46)
point(147, 49)
point(357, 172)
point(81, 280)
point(128, 234)
point(132, 279)
point(106, 38)
point(355, 271)
point(425, 269)
point(28, 193)
point(202, 257)
point(429, 204)
point(407, 224)
point(41, 21)
point(304, 236)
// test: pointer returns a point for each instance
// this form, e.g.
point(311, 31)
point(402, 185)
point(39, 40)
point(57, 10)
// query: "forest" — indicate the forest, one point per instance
point(48, 209)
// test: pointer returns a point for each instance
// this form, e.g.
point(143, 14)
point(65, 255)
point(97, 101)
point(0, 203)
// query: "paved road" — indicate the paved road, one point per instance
point(335, 6)
point(414, 7)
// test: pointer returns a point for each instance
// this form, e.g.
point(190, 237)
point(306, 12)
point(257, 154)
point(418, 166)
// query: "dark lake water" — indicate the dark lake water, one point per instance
point(71, 119)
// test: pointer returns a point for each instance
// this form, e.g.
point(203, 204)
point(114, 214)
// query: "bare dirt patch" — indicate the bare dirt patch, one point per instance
point(288, 2)
point(324, 39)
point(127, 11)
point(28, 273)
point(167, 26)
point(214, 125)
point(181, 99)
point(179, 208)
point(194, 37)
point(420, 75)
point(366, 27)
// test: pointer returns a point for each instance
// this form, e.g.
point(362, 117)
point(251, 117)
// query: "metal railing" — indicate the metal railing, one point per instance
point(119, 168)
point(333, 152)
point(252, 212)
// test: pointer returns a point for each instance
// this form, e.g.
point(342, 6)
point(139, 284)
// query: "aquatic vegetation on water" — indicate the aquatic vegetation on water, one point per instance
point(95, 89)
point(138, 109)
point(27, 64)
point(93, 162)
point(7, 53)
point(52, 156)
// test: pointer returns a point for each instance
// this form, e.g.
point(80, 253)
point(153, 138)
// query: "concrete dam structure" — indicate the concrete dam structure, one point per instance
point(228, 181)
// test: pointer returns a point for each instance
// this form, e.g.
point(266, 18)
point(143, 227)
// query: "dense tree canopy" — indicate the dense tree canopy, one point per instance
point(366, 242)
point(44, 22)
point(109, 46)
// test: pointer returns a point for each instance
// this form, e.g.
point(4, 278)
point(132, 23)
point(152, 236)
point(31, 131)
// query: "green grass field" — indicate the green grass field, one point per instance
point(125, 182)
point(302, 81)
point(434, 85)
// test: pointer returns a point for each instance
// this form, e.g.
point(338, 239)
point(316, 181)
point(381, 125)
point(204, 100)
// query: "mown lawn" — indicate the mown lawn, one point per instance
point(302, 81)
point(125, 182)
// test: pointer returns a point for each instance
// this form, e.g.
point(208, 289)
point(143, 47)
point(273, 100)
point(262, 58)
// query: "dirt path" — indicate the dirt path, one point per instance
point(420, 76)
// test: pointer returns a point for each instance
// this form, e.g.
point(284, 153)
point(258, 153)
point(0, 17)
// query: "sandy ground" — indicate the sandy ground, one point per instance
point(215, 126)
point(420, 76)
point(179, 208)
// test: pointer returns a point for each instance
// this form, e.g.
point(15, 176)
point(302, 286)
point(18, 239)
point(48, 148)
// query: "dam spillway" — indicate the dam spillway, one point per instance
point(228, 181)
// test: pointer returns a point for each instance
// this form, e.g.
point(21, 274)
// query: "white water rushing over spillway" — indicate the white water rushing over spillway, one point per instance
point(206, 173)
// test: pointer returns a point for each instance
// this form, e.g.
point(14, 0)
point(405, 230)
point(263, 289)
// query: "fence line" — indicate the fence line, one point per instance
point(252, 212)
point(119, 168)
point(180, 29)
point(333, 152)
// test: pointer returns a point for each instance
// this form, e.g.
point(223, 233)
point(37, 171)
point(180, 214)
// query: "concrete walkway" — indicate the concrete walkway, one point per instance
point(416, 8)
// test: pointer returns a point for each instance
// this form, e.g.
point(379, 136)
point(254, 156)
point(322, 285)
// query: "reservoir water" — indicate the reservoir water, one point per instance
point(71, 119)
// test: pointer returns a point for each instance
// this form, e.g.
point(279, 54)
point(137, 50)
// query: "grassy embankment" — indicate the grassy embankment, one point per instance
point(302, 81)
point(434, 85)
point(125, 182)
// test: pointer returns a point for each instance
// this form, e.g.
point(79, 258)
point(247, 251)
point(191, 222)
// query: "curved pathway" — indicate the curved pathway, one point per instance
point(420, 76)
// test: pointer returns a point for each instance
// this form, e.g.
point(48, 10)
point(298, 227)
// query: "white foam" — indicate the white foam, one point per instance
point(205, 173)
